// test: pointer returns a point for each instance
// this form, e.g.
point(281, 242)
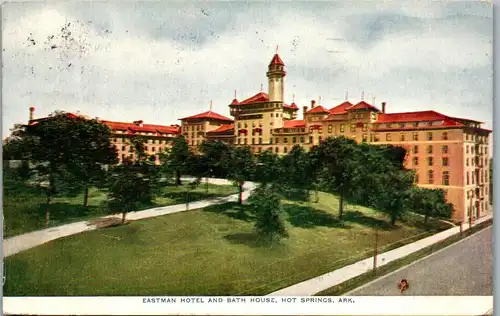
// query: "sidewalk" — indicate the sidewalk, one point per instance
point(26, 241)
point(328, 280)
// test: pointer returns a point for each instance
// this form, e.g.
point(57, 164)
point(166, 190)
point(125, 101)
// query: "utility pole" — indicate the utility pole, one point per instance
point(375, 252)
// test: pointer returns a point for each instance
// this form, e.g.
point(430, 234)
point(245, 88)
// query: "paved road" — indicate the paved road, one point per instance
point(465, 268)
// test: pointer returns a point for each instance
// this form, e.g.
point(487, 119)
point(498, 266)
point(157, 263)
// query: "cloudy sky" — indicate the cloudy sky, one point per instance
point(159, 62)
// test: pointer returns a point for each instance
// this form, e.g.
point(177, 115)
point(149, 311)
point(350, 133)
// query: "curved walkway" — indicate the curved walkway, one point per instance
point(26, 241)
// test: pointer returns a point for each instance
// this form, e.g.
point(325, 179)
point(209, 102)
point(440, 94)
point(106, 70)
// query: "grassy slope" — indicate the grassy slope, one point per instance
point(204, 252)
point(24, 207)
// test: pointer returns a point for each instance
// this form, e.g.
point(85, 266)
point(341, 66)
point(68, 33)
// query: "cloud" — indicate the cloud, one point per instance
point(162, 61)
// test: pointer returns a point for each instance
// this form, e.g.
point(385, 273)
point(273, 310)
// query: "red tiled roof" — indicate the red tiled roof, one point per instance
point(208, 115)
point(410, 117)
point(148, 128)
point(341, 108)
point(277, 60)
point(259, 97)
point(292, 106)
point(362, 105)
point(235, 102)
point(293, 123)
point(447, 123)
point(222, 128)
point(318, 109)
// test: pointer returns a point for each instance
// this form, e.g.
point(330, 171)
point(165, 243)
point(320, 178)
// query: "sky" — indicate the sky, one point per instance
point(161, 61)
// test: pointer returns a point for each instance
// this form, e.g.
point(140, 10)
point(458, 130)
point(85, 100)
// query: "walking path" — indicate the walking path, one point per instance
point(26, 241)
point(328, 280)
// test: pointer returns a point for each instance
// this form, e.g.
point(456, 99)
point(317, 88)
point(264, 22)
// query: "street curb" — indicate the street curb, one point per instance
point(415, 262)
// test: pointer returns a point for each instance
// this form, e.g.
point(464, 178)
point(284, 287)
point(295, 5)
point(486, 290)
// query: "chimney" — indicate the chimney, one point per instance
point(32, 113)
point(304, 110)
point(313, 104)
point(383, 107)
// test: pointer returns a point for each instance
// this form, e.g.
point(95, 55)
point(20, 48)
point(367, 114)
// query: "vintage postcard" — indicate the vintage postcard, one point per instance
point(247, 158)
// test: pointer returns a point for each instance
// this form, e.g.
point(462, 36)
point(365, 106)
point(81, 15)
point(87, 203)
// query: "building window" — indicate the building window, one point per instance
point(342, 127)
point(330, 128)
point(365, 127)
point(260, 140)
point(285, 150)
point(415, 136)
point(430, 177)
point(277, 149)
point(388, 125)
point(467, 149)
point(319, 139)
point(365, 138)
point(376, 137)
point(353, 128)
point(153, 149)
point(430, 161)
point(467, 162)
point(285, 140)
point(277, 140)
point(429, 149)
point(416, 177)
point(301, 139)
point(294, 140)
point(402, 137)
point(444, 149)
point(415, 161)
point(429, 135)
point(445, 161)
point(444, 136)
point(388, 137)
point(468, 177)
point(310, 139)
point(415, 149)
point(446, 178)
point(245, 141)
point(253, 141)
point(123, 147)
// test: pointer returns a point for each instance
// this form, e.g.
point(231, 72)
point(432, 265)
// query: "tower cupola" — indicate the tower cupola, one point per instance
point(275, 74)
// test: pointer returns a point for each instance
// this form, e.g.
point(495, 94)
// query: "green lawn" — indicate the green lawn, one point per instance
point(24, 206)
point(212, 251)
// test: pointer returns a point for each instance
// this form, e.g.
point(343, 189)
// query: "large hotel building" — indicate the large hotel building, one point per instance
point(446, 152)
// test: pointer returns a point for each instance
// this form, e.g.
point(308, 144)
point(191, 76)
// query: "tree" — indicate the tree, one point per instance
point(266, 204)
point(430, 203)
point(177, 158)
point(268, 168)
point(68, 153)
point(131, 185)
point(91, 152)
point(242, 168)
point(216, 157)
point(336, 158)
point(297, 173)
point(392, 193)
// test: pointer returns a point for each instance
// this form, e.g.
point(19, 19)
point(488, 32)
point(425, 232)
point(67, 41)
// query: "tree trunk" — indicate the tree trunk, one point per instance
point(426, 218)
point(240, 197)
point(47, 211)
point(206, 185)
point(178, 177)
point(124, 214)
point(86, 198)
point(341, 203)
point(393, 219)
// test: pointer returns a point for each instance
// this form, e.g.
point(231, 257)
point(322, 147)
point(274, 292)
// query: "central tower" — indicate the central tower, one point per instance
point(275, 75)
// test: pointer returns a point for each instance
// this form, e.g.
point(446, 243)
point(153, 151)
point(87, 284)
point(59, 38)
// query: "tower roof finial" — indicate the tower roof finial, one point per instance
point(347, 95)
point(261, 87)
point(293, 98)
point(235, 93)
point(276, 49)
point(362, 95)
point(210, 105)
